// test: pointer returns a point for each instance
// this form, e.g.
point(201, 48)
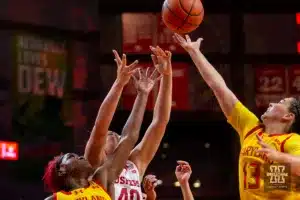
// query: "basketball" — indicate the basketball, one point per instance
point(182, 16)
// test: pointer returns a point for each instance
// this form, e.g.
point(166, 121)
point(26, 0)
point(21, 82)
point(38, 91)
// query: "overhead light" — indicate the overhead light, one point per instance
point(197, 184)
point(159, 182)
point(165, 145)
point(163, 156)
point(177, 184)
point(207, 145)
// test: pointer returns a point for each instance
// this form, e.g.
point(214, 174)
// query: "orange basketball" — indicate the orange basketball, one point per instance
point(182, 16)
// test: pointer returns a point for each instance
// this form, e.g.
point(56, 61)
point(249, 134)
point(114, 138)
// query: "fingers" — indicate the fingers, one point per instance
point(199, 40)
point(117, 57)
point(169, 54)
point(188, 39)
point(133, 65)
point(182, 162)
point(258, 137)
point(153, 74)
point(261, 142)
point(157, 51)
point(154, 50)
point(183, 166)
point(150, 182)
point(140, 73)
point(147, 71)
point(178, 168)
point(158, 78)
point(124, 60)
point(154, 59)
point(264, 145)
point(263, 151)
point(160, 51)
point(178, 38)
point(188, 168)
point(134, 78)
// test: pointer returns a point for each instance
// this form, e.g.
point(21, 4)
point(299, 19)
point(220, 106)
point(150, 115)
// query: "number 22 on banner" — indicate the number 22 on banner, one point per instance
point(132, 194)
point(271, 84)
point(251, 175)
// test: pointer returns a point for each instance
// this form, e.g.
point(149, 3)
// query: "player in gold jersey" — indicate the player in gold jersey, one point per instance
point(279, 126)
point(71, 177)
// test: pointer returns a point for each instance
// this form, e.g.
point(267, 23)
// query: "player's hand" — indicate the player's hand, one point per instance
point(161, 60)
point(183, 171)
point(266, 149)
point(124, 71)
point(149, 185)
point(187, 43)
point(145, 81)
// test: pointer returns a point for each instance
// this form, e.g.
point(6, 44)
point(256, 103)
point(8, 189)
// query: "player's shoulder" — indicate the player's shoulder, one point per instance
point(50, 197)
point(293, 137)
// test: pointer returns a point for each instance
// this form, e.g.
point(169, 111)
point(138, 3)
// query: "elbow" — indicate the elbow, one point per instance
point(216, 84)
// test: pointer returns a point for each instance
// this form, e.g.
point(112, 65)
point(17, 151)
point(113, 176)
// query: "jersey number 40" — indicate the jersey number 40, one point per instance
point(129, 194)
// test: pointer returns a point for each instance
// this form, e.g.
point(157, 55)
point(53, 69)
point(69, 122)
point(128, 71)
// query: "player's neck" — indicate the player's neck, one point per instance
point(75, 183)
point(272, 127)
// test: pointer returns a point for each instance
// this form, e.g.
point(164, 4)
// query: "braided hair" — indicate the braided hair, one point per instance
point(295, 109)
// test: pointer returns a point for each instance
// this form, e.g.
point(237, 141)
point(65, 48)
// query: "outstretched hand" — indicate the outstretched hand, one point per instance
point(161, 60)
point(124, 71)
point(183, 171)
point(187, 43)
point(145, 81)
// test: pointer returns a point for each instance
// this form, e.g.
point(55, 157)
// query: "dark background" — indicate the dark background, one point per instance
point(240, 36)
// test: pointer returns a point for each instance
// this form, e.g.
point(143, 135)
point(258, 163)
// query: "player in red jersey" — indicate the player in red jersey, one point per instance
point(279, 128)
point(183, 172)
point(72, 177)
point(129, 182)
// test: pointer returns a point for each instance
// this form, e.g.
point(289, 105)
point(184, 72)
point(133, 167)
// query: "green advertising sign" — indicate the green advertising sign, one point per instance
point(42, 84)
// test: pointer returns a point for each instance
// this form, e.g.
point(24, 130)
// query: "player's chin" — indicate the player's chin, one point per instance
point(85, 164)
point(263, 116)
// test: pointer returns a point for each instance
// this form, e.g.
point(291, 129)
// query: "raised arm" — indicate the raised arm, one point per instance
point(183, 172)
point(112, 168)
point(144, 152)
point(211, 76)
point(95, 145)
point(236, 113)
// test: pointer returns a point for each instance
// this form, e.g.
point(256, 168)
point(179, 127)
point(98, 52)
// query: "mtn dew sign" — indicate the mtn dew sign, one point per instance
point(41, 66)
point(42, 83)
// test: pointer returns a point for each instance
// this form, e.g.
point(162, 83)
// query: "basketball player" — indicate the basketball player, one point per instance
point(72, 177)
point(129, 182)
point(279, 126)
point(183, 172)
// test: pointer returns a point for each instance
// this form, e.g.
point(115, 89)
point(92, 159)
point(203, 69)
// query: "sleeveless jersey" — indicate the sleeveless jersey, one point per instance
point(92, 192)
point(128, 185)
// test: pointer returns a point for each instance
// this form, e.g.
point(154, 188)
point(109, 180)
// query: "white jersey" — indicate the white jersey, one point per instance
point(128, 185)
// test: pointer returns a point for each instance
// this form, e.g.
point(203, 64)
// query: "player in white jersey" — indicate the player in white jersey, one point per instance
point(128, 186)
